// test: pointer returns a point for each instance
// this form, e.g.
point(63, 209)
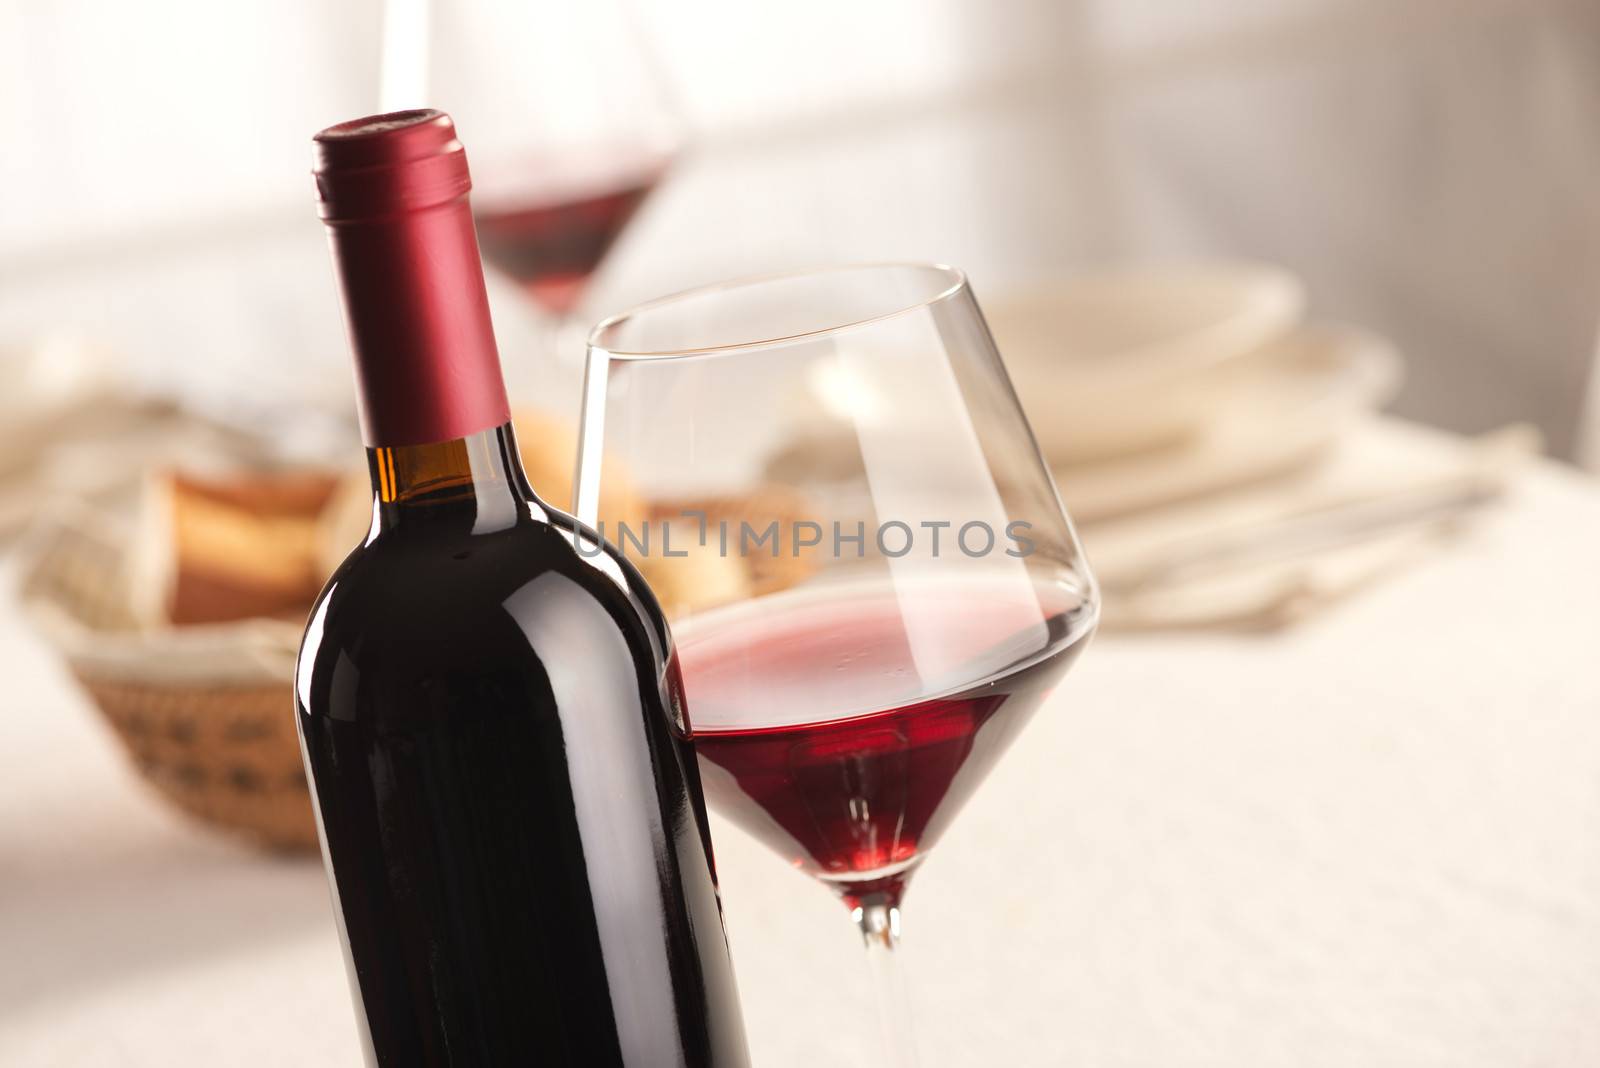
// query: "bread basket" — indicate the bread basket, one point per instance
point(204, 712)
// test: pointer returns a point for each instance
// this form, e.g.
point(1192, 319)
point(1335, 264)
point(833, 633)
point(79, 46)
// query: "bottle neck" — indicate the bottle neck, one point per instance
point(474, 482)
point(393, 191)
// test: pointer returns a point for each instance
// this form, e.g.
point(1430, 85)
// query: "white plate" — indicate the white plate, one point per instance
point(1105, 363)
point(1271, 413)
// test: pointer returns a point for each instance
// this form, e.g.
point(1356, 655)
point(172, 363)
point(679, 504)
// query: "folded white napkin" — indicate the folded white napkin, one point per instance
point(1269, 553)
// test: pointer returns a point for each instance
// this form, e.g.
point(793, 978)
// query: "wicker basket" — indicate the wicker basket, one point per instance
point(226, 755)
point(204, 712)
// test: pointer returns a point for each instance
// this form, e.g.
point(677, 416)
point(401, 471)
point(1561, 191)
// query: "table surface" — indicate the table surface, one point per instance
point(1370, 840)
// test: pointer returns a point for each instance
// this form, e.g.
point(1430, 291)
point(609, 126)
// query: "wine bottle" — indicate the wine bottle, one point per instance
point(488, 701)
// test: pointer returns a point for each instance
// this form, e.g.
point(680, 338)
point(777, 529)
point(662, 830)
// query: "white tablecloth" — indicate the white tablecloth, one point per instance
point(1371, 840)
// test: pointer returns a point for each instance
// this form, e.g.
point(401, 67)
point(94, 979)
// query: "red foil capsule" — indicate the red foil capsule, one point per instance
point(393, 193)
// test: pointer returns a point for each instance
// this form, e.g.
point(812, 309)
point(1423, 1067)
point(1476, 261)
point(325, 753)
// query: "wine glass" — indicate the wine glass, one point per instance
point(570, 121)
point(828, 481)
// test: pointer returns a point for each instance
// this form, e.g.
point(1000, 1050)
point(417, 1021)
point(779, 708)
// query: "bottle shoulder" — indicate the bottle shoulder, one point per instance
point(465, 611)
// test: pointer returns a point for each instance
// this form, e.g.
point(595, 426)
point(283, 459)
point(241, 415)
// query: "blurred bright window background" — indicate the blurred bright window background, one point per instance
point(1429, 168)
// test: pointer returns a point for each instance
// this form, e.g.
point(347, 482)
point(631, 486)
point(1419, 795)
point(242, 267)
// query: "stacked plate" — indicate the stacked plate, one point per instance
point(1145, 387)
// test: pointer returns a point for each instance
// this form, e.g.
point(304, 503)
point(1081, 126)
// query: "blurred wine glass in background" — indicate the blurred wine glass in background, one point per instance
point(571, 126)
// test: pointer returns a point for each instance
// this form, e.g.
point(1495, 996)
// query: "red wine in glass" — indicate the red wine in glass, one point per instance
point(551, 241)
point(845, 727)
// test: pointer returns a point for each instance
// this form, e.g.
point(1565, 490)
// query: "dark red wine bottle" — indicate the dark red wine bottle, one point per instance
point(488, 700)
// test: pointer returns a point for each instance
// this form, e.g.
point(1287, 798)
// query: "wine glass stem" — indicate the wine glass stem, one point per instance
point(880, 930)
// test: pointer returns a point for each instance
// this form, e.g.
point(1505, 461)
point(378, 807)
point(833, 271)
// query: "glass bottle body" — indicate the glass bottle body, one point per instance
point(509, 806)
